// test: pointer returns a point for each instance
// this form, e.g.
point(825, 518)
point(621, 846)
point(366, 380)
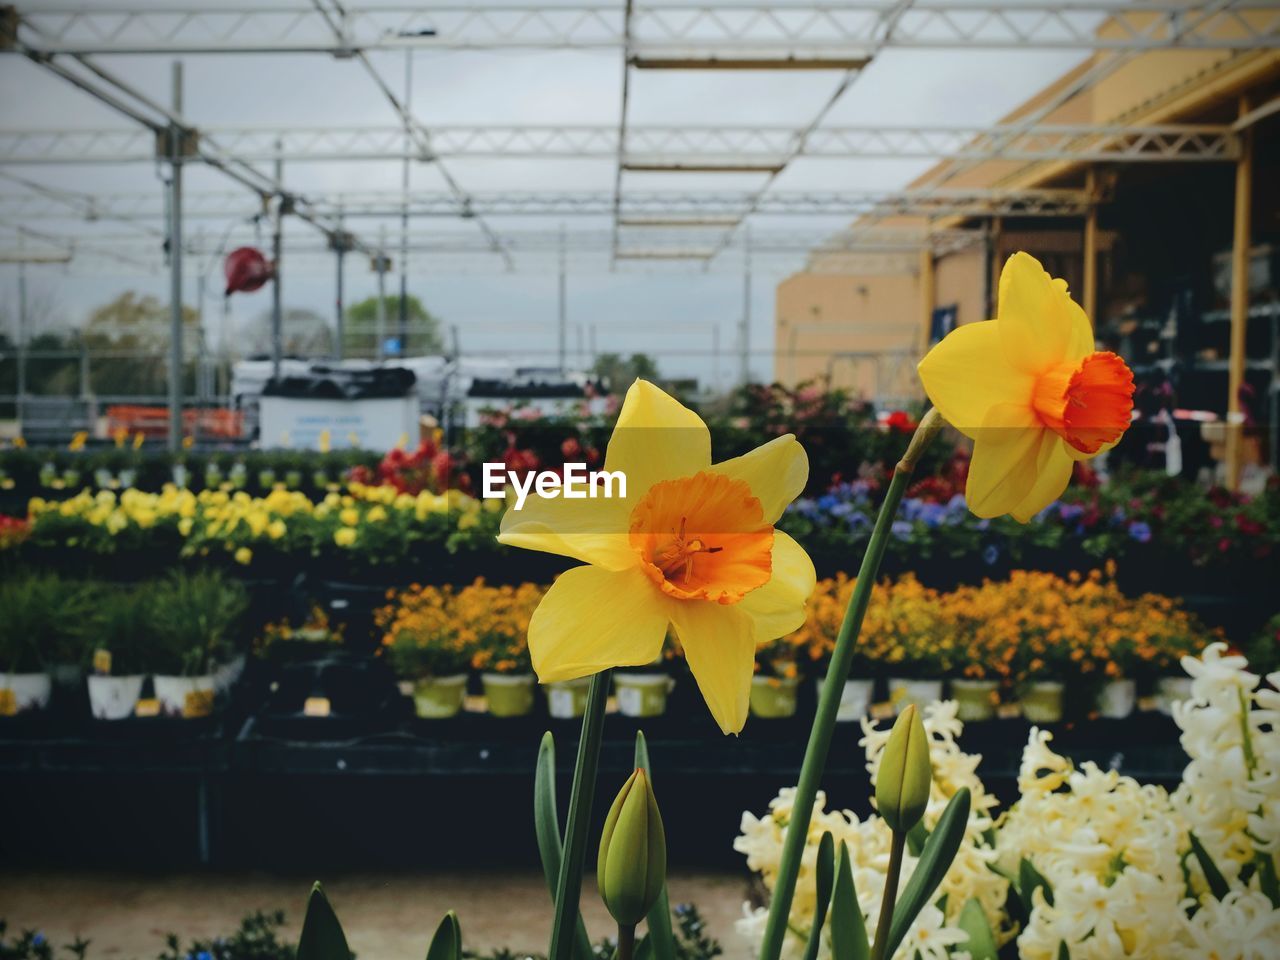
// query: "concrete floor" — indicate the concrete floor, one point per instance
point(386, 916)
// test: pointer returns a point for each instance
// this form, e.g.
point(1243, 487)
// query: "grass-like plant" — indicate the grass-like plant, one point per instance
point(42, 622)
point(196, 616)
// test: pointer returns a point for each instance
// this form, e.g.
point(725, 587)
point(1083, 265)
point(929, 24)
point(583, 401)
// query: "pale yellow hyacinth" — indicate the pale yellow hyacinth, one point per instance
point(691, 544)
point(1031, 392)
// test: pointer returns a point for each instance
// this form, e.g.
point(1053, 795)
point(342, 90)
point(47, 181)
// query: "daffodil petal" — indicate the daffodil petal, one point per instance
point(777, 608)
point(1005, 454)
point(967, 373)
point(592, 619)
point(720, 648)
point(776, 472)
point(1039, 328)
point(1053, 473)
point(656, 438)
point(594, 531)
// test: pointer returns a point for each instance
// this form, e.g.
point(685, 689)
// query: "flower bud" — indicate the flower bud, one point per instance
point(902, 784)
point(633, 853)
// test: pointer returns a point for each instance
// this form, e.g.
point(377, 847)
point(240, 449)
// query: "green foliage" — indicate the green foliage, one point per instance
point(124, 624)
point(360, 331)
point(258, 938)
point(619, 373)
point(447, 942)
point(982, 943)
point(42, 622)
point(660, 938)
point(848, 929)
point(195, 615)
point(322, 937)
point(1212, 875)
point(825, 873)
point(935, 860)
point(546, 823)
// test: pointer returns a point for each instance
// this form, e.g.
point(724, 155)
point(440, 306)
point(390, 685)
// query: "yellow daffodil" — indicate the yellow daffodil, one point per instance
point(1031, 392)
point(690, 544)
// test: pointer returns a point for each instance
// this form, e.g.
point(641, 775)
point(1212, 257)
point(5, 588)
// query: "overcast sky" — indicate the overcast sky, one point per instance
point(667, 312)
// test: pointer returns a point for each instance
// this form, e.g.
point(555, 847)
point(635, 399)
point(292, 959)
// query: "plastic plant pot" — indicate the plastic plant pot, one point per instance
point(975, 699)
point(1169, 690)
point(188, 697)
point(114, 698)
point(920, 692)
point(435, 698)
point(773, 698)
point(855, 699)
point(642, 694)
point(509, 694)
point(567, 699)
point(25, 691)
point(1117, 699)
point(1042, 702)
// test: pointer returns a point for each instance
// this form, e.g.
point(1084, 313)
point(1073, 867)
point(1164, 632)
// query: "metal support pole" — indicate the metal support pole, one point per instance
point(1239, 303)
point(404, 209)
point(175, 267)
point(744, 328)
point(926, 297)
point(1089, 295)
point(991, 289)
point(341, 348)
point(715, 354)
point(22, 334)
point(380, 323)
point(277, 255)
point(562, 317)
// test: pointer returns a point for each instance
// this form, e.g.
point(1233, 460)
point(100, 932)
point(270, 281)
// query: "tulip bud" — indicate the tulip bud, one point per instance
point(902, 784)
point(633, 853)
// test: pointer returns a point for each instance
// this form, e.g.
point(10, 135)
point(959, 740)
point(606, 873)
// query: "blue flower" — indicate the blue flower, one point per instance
point(1070, 511)
point(990, 554)
point(204, 955)
point(1140, 531)
point(827, 501)
point(38, 940)
point(901, 529)
point(932, 514)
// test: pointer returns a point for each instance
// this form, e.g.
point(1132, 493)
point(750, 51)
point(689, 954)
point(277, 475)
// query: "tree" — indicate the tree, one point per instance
point(361, 333)
point(138, 326)
point(619, 373)
point(303, 333)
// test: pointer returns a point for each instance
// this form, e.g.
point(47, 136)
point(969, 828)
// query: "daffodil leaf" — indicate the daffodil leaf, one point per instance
point(1028, 879)
point(1267, 878)
point(644, 949)
point(973, 921)
point(935, 860)
point(322, 937)
point(1063, 952)
point(661, 940)
point(848, 929)
point(916, 838)
point(825, 875)
point(447, 943)
point(546, 828)
point(1213, 876)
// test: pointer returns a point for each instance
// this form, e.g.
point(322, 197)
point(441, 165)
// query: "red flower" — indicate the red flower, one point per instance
point(900, 421)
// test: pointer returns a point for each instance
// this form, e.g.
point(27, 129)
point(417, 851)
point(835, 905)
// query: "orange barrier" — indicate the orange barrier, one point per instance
point(154, 422)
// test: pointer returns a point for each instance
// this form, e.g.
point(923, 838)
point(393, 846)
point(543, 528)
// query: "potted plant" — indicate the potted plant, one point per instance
point(816, 640)
point(777, 677)
point(427, 650)
point(314, 638)
point(907, 634)
point(41, 632)
point(499, 619)
point(196, 617)
point(124, 636)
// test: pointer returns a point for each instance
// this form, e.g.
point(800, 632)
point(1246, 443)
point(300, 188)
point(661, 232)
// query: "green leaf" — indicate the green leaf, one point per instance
point(662, 941)
point(322, 937)
point(1028, 879)
point(935, 860)
point(826, 869)
point(546, 828)
point(848, 929)
point(916, 838)
point(447, 943)
point(1213, 876)
point(644, 949)
point(1267, 879)
point(1063, 952)
point(973, 921)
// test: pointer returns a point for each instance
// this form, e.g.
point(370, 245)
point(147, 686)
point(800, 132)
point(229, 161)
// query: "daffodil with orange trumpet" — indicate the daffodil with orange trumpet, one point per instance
point(1030, 390)
point(691, 544)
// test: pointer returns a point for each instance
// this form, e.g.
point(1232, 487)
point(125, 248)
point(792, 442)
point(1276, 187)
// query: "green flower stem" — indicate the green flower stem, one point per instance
point(626, 943)
point(815, 755)
point(569, 889)
point(880, 945)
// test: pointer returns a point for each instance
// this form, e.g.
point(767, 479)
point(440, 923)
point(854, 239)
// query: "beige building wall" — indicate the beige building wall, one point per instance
point(821, 312)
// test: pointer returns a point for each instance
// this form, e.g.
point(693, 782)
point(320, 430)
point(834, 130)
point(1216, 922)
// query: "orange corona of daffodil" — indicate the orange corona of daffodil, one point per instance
point(691, 544)
point(1031, 392)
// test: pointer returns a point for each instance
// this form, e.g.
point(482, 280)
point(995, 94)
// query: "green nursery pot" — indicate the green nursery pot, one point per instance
point(568, 699)
point(435, 698)
point(975, 699)
point(773, 698)
point(1042, 702)
point(509, 695)
point(642, 694)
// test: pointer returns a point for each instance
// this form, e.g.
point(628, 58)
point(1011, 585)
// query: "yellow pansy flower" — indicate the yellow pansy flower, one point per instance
point(1031, 392)
point(344, 536)
point(244, 555)
point(350, 516)
point(691, 544)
